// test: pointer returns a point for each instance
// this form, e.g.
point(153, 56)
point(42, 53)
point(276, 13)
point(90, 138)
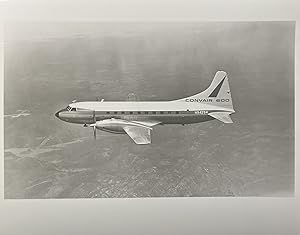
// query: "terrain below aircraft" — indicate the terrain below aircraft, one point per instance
point(138, 118)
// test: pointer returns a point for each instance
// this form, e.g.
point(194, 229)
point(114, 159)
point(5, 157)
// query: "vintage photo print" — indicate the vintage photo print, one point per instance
point(140, 109)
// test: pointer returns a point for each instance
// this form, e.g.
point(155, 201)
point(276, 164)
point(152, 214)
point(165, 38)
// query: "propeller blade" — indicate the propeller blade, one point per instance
point(94, 116)
point(94, 128)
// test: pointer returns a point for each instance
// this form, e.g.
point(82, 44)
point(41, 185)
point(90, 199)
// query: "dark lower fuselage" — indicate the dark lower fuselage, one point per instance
point(179, 117)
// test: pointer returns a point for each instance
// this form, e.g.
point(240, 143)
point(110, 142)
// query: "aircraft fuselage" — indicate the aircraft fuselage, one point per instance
point(137, 119)
point(138, 111)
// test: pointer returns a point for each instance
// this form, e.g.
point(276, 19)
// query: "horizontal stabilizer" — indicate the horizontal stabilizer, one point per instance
point(221, 116)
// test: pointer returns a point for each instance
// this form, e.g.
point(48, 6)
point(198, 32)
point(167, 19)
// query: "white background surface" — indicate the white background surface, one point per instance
point(158, 215)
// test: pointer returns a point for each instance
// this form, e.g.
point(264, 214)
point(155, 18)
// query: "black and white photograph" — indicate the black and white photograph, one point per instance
point(149, 109)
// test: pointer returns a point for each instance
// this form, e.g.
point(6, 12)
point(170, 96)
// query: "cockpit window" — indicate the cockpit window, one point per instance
point(71, 109)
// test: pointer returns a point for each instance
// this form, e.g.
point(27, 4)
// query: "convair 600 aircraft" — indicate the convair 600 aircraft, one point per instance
point(138, 118)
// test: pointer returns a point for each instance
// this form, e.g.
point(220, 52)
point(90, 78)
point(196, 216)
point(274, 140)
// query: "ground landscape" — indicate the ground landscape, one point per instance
point(49, 65)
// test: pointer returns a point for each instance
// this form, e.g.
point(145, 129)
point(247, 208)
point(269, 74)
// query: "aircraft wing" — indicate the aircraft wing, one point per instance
point(139, 134)
point(221, 116)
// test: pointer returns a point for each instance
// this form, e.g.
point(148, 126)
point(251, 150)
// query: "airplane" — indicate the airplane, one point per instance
point(137, 119)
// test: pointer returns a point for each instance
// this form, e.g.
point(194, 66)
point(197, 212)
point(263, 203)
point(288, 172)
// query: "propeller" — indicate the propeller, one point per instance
point(94, 116)
point(94, 129)
point(94, 124)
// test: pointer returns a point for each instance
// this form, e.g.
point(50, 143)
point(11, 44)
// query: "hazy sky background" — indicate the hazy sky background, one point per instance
point(47, 65)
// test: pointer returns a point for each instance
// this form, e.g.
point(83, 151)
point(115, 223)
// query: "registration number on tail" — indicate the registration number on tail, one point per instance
point(201, 112)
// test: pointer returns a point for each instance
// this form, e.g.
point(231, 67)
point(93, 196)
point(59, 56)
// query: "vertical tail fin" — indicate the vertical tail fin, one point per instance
point(217, 94)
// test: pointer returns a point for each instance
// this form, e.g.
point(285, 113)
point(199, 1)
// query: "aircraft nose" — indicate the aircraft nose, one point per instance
point(57, 114)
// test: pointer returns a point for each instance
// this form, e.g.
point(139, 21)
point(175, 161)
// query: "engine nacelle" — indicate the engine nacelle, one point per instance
point(115, 125)
point(111, 125)
point(113, 129)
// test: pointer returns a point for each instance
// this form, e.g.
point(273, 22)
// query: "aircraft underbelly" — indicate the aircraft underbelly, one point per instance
point(185, 119)
point(168, 119)
point(87, 118)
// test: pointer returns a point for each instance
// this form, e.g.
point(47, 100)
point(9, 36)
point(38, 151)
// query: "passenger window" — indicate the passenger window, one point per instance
point(107, 112)
point(146, 112)
point(169, 112)
point(177, 112)
point(161, 112)
point(115, 112)
point(131, 112)
point(123, 112)
point(153, 112)
point(139, 112)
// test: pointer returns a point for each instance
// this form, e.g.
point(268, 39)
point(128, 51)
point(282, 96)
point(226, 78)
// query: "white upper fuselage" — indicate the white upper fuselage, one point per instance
point(145, 106)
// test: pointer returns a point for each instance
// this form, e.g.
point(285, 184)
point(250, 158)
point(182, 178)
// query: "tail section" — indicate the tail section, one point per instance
point(217, 94)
